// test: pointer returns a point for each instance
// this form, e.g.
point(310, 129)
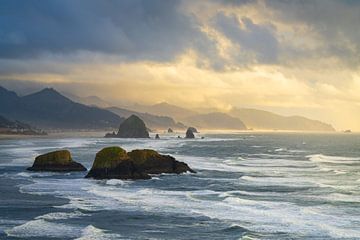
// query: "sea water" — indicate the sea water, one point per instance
point(247, 186)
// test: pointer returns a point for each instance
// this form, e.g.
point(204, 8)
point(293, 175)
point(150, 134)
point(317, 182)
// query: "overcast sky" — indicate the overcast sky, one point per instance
point(291, 57)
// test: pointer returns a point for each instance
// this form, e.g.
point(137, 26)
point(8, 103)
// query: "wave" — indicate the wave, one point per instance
point(62, 215)
point(332, 159)
point(43, 228)
point(115, 182)
point(90, 233)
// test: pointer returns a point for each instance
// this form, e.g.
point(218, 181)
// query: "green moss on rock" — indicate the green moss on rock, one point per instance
point(115, 162)
point(60, 160)
point(110, 157)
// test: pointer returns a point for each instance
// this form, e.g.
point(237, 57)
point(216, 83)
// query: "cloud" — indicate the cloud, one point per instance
point(131, 29)
point(257, 43)
point(293, 56)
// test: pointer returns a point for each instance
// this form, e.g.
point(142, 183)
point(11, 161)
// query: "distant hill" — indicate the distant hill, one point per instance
point(264, 120)
point(49, 109)
point(251, 118)
point(15, 127)
point(215, 120)
point(89, 100)
point(151, 121)
point(164, 109)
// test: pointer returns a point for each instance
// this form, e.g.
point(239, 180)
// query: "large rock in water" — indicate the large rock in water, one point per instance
point(194, 130)
point(115, 162)
point(57, 161)
point(189, 134)
point(133, 127)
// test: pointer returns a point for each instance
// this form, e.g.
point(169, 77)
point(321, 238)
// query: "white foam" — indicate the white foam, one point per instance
point(43, 228)
point(92, 233)
point(332, 159)
point(115, 182)
point(62, 215)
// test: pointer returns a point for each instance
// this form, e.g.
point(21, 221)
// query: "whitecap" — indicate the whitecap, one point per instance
point(332, 159)
point(43, 228)
point(115, 182)
point(62, 215)
point(91, 233)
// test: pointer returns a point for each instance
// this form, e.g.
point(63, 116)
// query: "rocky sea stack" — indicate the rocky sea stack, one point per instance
point(57, 161)
point(194, 130)
point(132, 127)
point(189, 133)
point(115, 162)
point(170, 130)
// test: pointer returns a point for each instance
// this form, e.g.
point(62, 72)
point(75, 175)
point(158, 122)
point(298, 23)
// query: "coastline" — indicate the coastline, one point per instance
point(100, 134)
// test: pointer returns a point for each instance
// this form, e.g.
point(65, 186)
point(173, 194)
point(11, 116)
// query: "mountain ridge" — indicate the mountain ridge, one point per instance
point(49, 109)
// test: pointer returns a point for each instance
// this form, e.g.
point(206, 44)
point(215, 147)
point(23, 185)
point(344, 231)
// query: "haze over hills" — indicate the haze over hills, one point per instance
point(151, 121)
point(251, 118)
point(94, 101)
point(49, 109)
point(164, 109)
point(264, 120)
point(215, 120)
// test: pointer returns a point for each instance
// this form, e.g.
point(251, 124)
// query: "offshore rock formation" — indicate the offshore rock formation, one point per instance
point(157, 136)
point(194, 130)
point(115, 162)
point(57, 161)
point(170, 130)
point(133, 127)
point(189, 133)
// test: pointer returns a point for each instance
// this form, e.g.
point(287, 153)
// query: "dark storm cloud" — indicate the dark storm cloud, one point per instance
point(336, 23)
point(132, 29)
point(258, 40)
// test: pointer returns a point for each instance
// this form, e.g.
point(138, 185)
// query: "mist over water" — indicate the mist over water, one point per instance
point(247, 186)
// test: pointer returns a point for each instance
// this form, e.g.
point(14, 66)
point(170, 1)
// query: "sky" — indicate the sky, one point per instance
point(290, 57)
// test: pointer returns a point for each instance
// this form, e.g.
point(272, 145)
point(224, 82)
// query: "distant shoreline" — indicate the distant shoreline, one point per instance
point(100, 134)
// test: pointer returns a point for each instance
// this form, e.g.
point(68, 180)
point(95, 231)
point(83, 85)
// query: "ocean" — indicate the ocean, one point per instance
point(247, 186)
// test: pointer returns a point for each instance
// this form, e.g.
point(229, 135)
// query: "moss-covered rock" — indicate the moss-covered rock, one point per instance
point(115, 162)
point(152, 162)
point(189, 134)
point(57, 161)
point(133, 127)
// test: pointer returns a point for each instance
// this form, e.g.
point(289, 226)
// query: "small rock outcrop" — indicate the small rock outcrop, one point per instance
point(57, 161)
point(115, 162)
point(133, 127)
point(194, 130)
point(170, 130)
point(110, 135)
point(189, 134)
point(157, 136)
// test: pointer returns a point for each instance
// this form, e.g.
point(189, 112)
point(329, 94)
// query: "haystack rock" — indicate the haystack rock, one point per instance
point(170, 130)
point(157, 136)
point(189, 134)
point(194, 130)
point(57, 161)
point(133, 127)
point(115, 162)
